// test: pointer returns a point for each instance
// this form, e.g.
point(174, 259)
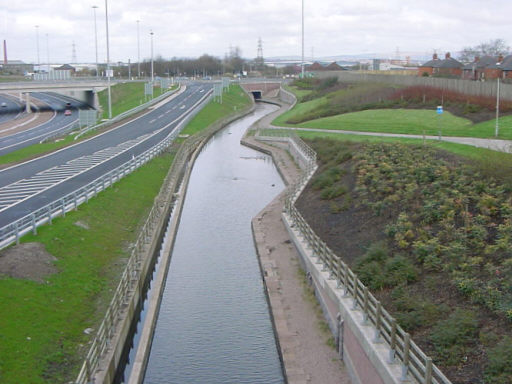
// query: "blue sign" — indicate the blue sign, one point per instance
point(439, 109)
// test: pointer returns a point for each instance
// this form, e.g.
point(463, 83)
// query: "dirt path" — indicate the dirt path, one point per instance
point(306, 356)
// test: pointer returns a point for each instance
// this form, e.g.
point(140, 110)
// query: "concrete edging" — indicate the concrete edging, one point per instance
point(145, 342)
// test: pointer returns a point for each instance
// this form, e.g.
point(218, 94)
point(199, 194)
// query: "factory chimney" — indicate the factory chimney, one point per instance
point(5, 52)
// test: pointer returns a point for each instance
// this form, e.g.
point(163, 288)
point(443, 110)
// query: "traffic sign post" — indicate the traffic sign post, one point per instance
point(439, 112)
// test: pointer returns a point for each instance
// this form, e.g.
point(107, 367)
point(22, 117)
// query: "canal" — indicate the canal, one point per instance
point(214, 324)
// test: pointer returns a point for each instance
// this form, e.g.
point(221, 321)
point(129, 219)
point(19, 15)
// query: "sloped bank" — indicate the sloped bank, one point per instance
point(368, 339)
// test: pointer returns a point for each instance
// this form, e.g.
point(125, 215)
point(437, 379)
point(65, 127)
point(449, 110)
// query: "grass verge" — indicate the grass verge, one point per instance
point(42, 325)
point(125, 96)
point(235, 99)
point(41, 329)
point(119, 105)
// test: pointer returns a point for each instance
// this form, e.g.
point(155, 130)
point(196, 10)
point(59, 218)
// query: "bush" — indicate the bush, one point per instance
point(378, 270)
point(333, 192)
point(452, 336)
point(499, 367)
point(413, 312)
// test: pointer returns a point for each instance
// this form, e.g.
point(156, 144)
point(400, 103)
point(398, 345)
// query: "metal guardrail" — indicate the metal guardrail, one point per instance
point(415, 363)
point(29, 223)
point(128, 113)
point(132, 272)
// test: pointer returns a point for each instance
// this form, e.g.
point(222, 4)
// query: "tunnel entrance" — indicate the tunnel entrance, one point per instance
point(256, 95)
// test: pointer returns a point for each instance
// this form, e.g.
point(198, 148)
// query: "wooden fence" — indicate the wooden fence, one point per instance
point(415, 363)
point(466, 87)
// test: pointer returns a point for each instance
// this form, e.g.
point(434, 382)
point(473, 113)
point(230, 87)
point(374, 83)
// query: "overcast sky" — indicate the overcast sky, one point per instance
point(187, 28)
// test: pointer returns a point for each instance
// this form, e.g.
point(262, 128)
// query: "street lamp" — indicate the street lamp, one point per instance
point(302, 39)
point(37, 43)
point(108, 65)
point(94, 7)
point(152, 73)
point(47, 53)
point(496, 130)
point(138, 50)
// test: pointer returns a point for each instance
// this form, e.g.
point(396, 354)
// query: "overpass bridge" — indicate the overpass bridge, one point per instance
point(83, 90)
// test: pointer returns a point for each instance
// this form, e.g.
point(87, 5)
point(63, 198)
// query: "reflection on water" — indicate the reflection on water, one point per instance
point(214, 324)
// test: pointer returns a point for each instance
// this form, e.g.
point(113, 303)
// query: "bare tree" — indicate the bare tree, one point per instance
point(494, 47)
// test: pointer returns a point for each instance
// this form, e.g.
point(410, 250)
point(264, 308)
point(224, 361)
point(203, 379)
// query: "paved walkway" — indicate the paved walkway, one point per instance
point(306, 356)
point(494, 144)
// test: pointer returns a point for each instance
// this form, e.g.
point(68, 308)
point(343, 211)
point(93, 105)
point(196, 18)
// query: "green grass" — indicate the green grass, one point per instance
point(118, 106)
point(54, 314)
point(41, 327)
point(232, 101)
point(299, 109)
point(296, 91)
point(464, 150)
point(125, 96)
point(401, 121)
point(35, 150)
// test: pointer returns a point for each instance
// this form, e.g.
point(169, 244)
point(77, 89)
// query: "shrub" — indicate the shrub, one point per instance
point(332, 192)
point(413, 312)
point(378, 270)
point(452, 336)
point(499, 367)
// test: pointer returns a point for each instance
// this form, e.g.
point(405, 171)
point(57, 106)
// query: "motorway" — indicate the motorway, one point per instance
point(12, 109)
point(59, 122)
point(31, 185)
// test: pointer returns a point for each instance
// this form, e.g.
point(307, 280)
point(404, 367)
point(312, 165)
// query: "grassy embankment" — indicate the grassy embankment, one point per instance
point(308, 114)
point(125, 96)
point(42, 324)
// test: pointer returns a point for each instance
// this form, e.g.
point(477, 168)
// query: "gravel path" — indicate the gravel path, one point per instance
point(306, 356)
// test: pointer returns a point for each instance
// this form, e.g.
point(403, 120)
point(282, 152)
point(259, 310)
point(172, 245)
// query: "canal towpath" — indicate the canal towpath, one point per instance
point(307, 358)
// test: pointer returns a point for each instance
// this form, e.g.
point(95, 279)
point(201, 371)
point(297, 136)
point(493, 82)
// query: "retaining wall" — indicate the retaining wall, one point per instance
point(375, 349)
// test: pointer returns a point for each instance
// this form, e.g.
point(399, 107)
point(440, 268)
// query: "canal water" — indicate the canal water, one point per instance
point(214, 324)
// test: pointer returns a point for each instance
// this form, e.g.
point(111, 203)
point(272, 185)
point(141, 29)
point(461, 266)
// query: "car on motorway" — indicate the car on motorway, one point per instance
point(3, 104)
point(67, 112)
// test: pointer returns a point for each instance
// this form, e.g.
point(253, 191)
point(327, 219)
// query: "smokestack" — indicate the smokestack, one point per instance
point(5, 52)
point(434, 56)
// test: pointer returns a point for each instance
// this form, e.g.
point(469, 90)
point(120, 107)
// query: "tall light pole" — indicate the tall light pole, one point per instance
point(138, 50)
point(108, 64)
point(496, 130)
point(152, 74)
point(94, 7)
point(302, 70)
point(37, 43)
point(47, 53)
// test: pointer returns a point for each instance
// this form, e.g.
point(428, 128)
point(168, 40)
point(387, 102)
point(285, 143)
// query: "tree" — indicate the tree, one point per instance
point(494, 48)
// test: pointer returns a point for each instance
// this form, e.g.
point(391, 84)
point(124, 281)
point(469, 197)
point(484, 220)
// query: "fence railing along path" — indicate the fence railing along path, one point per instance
point(415, 363)
point(29, 223)
point(132, 273)
point(128, 113)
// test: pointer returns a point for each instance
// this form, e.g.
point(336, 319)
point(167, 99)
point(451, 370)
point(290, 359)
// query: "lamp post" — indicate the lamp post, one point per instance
point(108, 64)
point(94, 7)
point(496, 130)
point(152, 73)
point(138, 50)
point(47, 53)
point(37, 44)
point(302, 65)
